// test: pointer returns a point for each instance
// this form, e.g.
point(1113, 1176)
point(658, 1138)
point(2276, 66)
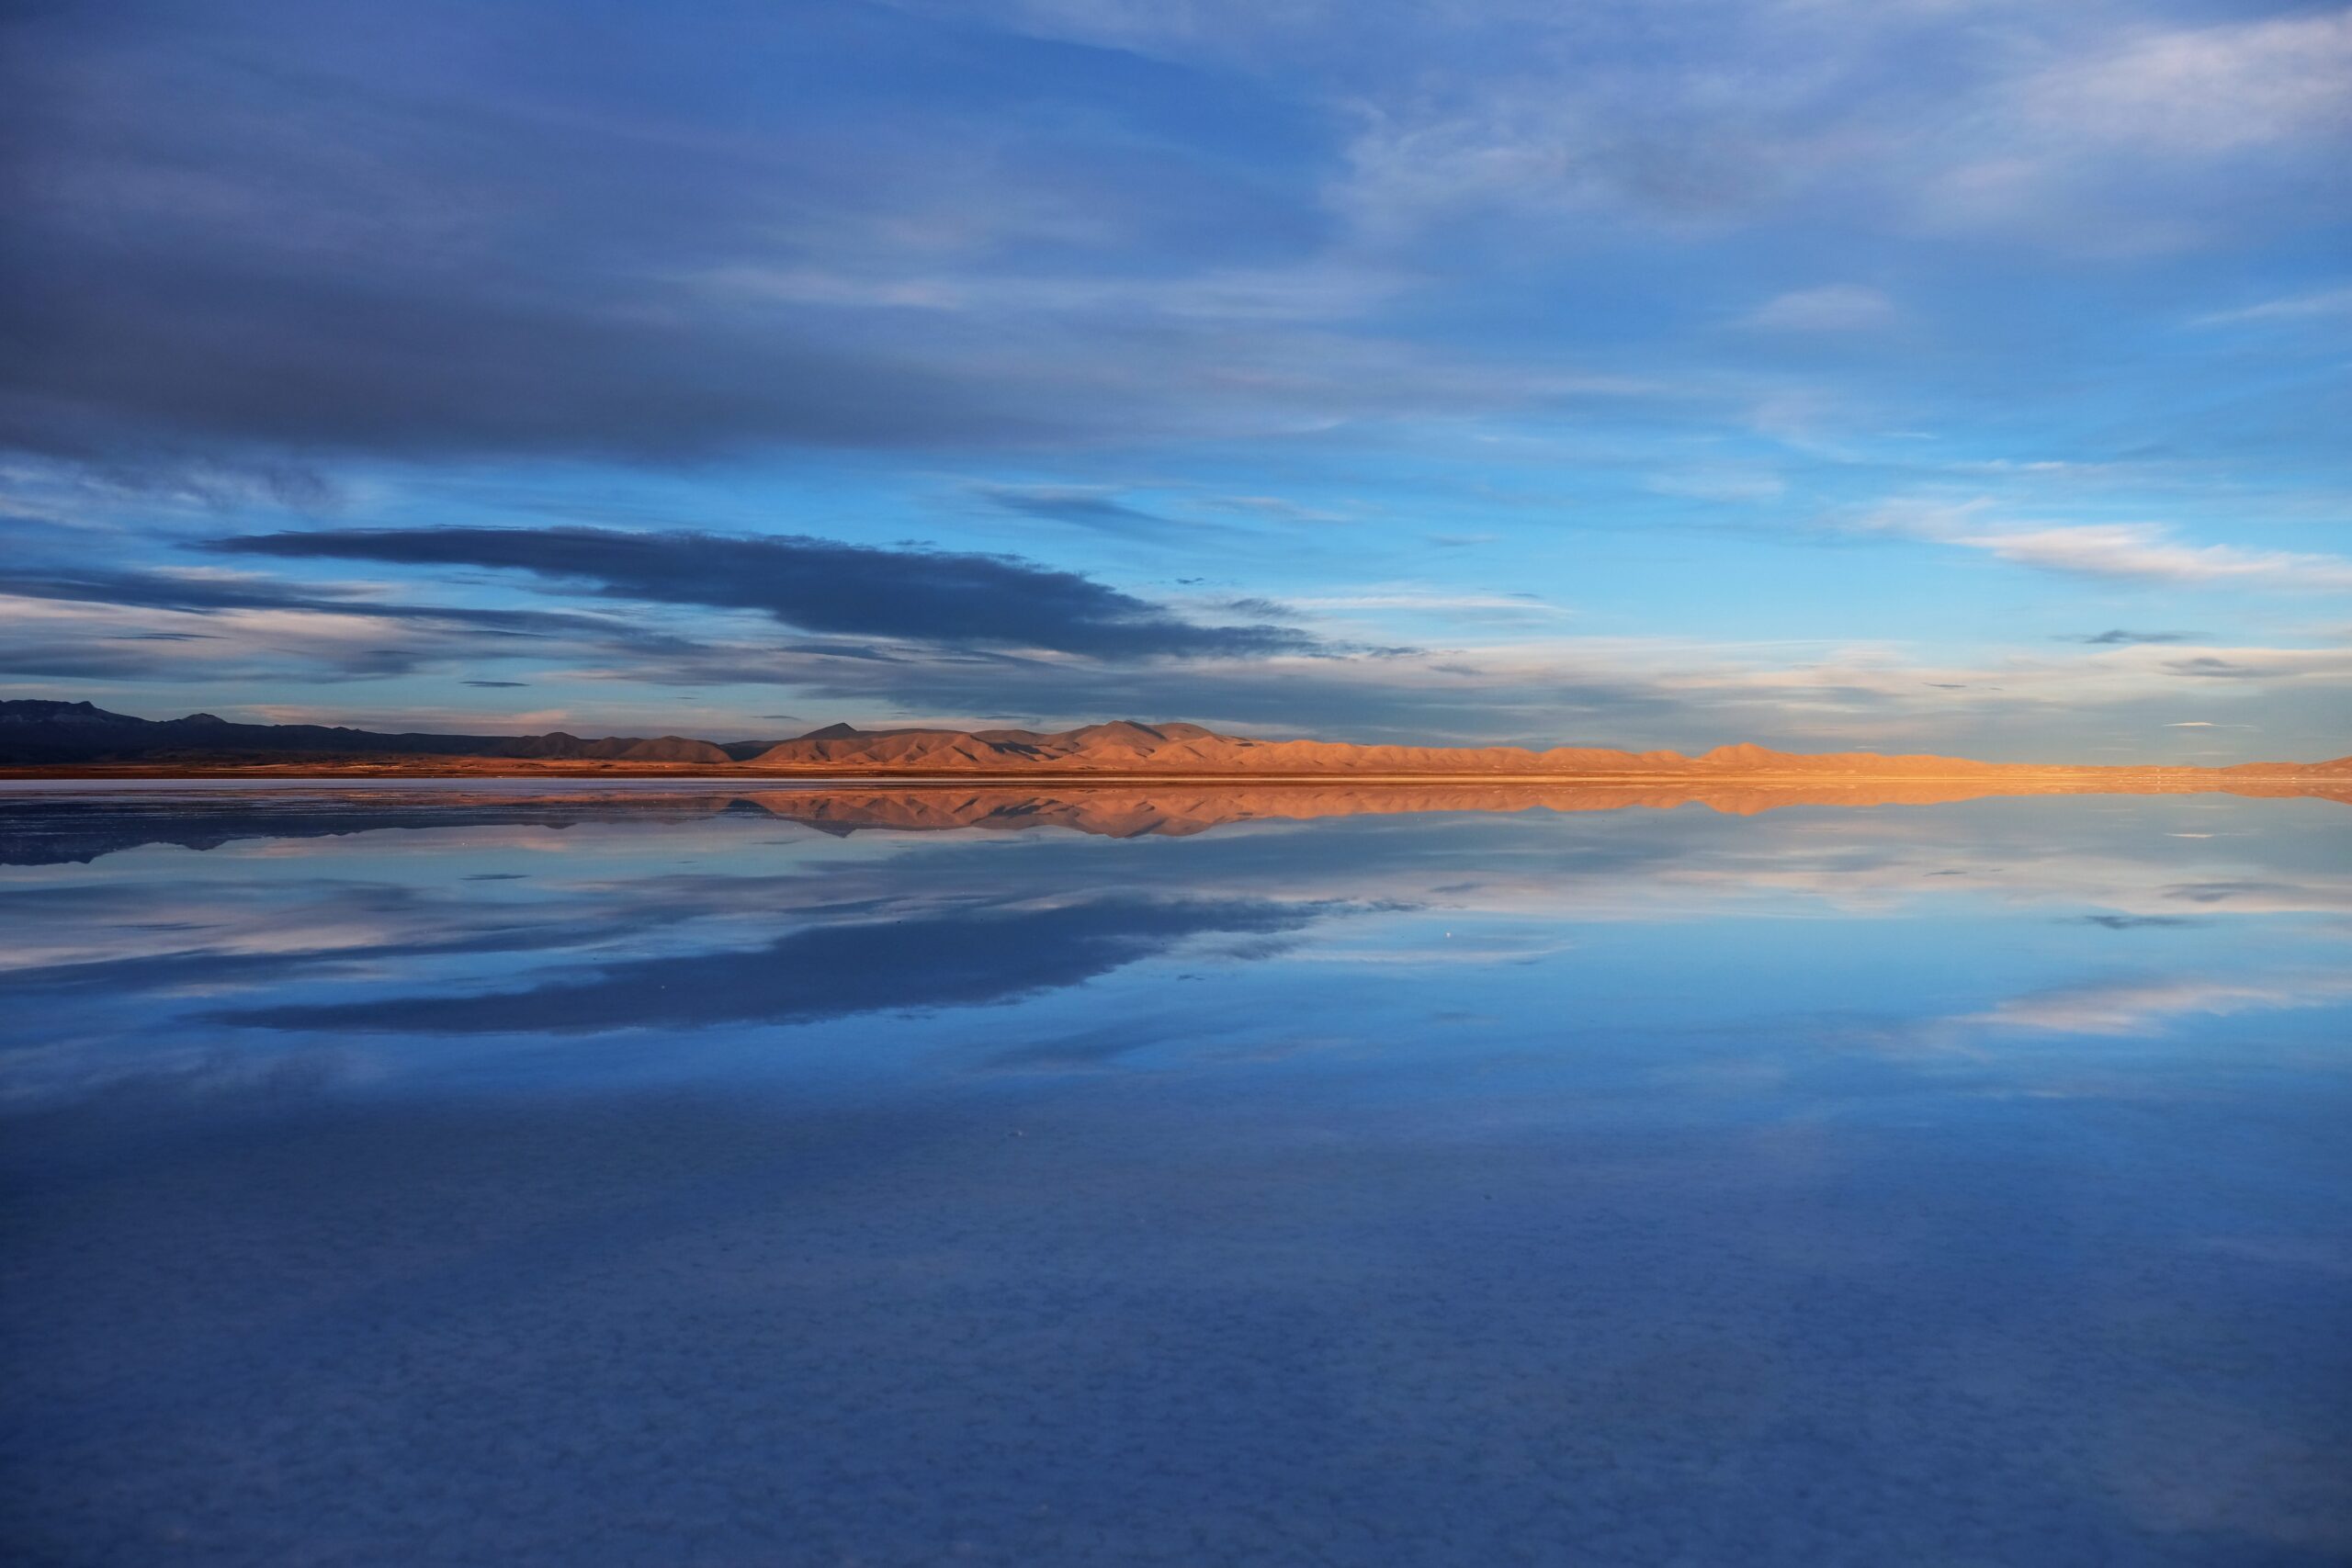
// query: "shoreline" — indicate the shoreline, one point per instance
point(684, 773)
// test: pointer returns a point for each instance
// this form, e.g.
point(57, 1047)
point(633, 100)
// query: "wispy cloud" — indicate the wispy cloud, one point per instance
point(1832, 308)
point(2142, 551)
point(2117, 636)
point(1087, 506)
point(2289, 308)
point(2206, 90)
point(2148, 551)
point(1430, 601)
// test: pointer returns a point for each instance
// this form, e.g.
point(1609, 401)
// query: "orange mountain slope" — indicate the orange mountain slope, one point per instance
point(1126, 748)
point(53, 739)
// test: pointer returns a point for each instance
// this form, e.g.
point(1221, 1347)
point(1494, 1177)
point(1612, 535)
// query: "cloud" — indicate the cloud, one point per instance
point(291, 247)
point(2137, 138)
point(2147, 551)
point(819, 585)
point(291, 241)
point(1485, 607)
point(1277, 508)
point(2209, 667)
point(112, 624)
point(2292, 307)
point(201, 591)
point(1720, 482)
point(1834, 307)
point(1087, 507)
point(2119, 638)
point(2322, 664)
point(308, 241)
point(2133, 551)
point(2206, 90)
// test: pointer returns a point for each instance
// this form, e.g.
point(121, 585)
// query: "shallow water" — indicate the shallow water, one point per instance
point(611, 1175)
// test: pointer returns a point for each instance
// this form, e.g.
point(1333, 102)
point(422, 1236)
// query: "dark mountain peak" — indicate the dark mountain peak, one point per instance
point(43, 708)
point(204, 718)
point(834, 732)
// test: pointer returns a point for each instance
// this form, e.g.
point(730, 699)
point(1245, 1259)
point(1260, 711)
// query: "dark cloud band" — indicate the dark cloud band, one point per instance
point(816, 585)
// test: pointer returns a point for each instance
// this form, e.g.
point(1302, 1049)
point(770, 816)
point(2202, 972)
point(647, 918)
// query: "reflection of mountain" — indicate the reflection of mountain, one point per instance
point(1175, 811)
point(44, 830)
point(961, 958)
point(56, 830)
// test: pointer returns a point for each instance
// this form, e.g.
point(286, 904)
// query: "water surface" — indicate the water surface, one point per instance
point(532, 1174)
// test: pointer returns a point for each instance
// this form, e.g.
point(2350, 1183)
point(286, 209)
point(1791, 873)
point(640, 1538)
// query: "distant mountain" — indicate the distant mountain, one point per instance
point(1126, 747)
point(34, 733)
point(38, 734)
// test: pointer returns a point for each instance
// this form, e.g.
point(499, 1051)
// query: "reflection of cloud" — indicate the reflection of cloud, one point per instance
point(954, 959)
point(113, 954)
point(2140, 1008)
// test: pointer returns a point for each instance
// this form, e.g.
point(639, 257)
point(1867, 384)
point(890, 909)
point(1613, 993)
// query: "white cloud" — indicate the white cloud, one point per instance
point(1833, 308)
point(2132, 551)
point(2146, 551)
point(2068, 125)
point(2206, 90)
point(1482, 605)
point(1720, 482)
point(2297, 306)
point(1310, 291)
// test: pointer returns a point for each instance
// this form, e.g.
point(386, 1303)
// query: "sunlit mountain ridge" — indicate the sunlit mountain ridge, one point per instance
point(47, 734)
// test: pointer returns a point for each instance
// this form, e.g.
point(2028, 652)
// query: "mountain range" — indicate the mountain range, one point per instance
point(37, 735)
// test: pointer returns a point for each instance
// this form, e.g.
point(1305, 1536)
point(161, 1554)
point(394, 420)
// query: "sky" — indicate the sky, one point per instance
point(1950, 374)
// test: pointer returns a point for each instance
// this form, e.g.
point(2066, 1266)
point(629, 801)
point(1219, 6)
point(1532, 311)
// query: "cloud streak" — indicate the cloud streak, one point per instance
point(1833, 308)
point(1082, 506)
point(2149, 1007)
point(818, 585)
point(2145, 552)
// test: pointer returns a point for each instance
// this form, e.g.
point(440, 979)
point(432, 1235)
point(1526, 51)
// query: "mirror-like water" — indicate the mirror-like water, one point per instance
point(622, 1176)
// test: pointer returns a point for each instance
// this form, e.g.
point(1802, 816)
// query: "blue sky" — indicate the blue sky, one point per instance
point(1932, 375)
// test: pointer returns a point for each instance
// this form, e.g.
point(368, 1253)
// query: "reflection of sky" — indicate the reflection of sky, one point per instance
point(1947, 1183)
